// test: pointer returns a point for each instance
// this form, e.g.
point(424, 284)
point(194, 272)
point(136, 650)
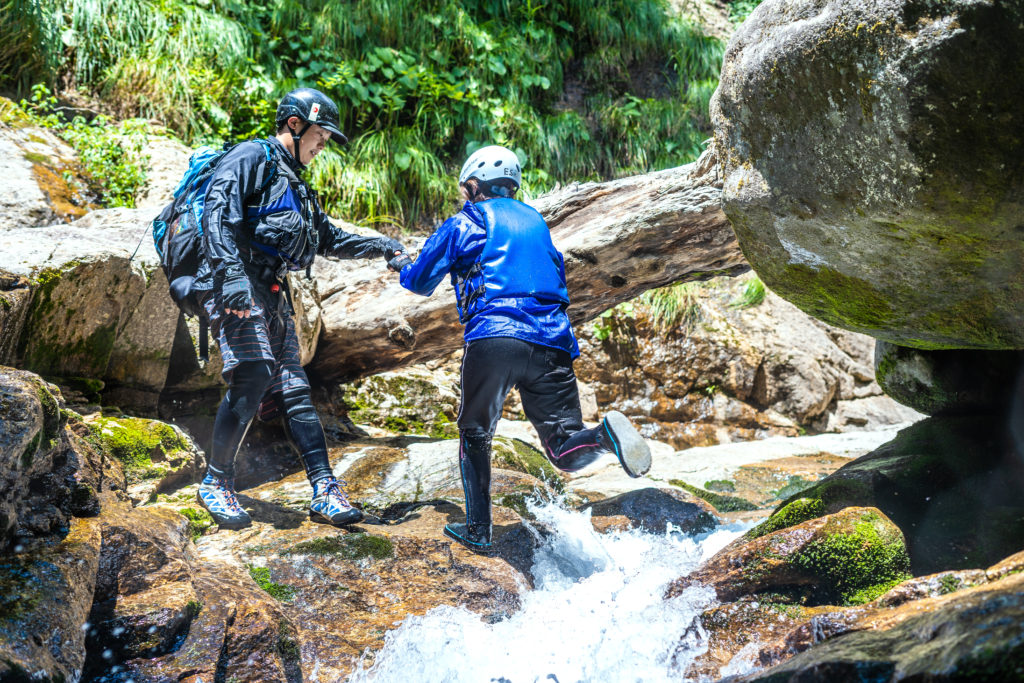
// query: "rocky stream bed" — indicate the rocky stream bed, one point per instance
point(838, 468)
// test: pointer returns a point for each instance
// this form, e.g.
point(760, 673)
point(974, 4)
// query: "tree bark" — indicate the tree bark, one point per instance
point(619, 238)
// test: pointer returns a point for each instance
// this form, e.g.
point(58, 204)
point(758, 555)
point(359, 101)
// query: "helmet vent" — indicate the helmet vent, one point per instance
point(497, 163)
point(480, 165)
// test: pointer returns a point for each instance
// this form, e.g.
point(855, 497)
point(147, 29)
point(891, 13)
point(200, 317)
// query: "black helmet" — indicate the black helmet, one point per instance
point(312, 106)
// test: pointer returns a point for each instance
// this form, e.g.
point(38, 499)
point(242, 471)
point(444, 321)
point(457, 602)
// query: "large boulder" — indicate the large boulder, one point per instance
point(954, 381)
point(36, 474)
point(100, 309)
point(848, 557)
point(871, 153)
point(969, 635)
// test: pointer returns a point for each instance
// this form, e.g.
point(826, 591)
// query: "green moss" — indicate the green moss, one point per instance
point(278, 591)
point(193, 608)
point(717, 500)
point(515, 501)
point(199, 520)
point(853, 561)
point(29, 454)
point(87, 386)
point(287, 645)
point(866, 595)
point(51, 415)
point(347, 546)
point(720, 486)
point(19, 591)
point(36, 158)
point(82, 494)
point(791, 514)
point(842, 300)
point(950, 583)
point(134, 441)
point(88, 354)
point(794, 485)
point(517, 455)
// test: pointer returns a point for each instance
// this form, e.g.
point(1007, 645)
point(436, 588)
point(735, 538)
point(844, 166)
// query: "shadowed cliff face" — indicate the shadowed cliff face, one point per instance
point(872, 163)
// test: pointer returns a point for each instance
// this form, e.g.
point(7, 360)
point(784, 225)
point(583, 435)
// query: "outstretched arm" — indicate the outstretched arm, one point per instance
point(435, 260)
point(345, 245)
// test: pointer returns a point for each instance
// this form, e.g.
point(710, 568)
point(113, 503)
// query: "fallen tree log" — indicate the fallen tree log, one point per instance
point(620, 238)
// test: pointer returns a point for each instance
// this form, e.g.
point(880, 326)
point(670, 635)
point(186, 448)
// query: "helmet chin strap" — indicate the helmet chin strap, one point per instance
point(297, 142)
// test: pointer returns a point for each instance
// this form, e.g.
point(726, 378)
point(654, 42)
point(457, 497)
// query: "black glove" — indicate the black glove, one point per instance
point(398, 262)
point(388, 247)
point(236, 293)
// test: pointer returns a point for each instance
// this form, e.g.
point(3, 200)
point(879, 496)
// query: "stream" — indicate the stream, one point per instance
point(596, 613)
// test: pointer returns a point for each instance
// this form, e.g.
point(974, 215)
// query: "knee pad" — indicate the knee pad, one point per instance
point(249, 381)
point(298, 405)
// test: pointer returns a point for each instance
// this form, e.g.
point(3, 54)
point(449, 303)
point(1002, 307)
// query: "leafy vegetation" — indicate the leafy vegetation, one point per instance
point(739, 10)
point(674, 306)
point(753, 294)
point(580, 89)
point(110, 154)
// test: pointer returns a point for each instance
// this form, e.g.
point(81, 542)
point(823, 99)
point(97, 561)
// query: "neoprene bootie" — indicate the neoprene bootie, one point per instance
point(620, 437)
point(476, 537)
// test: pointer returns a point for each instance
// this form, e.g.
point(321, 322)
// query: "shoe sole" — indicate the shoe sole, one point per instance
point(632, 451)
point(468, 545)
point(227, 524)
point(324, 519)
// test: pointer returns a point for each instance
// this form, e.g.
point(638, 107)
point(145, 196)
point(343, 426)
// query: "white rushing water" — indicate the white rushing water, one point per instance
point(597, 613)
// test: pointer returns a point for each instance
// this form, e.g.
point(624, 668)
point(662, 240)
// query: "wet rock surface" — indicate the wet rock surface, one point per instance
point(836, 558)
point(47, 587)
point(971, 634)
point(952, 484)
point(871, 162)
point(653, 510)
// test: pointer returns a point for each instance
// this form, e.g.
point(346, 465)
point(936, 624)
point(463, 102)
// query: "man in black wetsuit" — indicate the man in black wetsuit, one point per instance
point(262, 220)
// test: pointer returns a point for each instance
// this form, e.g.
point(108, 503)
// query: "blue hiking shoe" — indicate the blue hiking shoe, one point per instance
point(621, 437)
point(474, 537)
point(330, 504)
point(218, 497)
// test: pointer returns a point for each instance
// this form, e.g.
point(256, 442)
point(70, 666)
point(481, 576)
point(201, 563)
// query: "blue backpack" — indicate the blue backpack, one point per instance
point(178, 232)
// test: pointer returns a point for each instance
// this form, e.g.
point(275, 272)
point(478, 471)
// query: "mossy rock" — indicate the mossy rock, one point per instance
point(346, 546)
point(871, 165)
point(951, 484)
point(790, 514)
point(720, 502)
point(857, 559)
point(515, 454)
point(410, 402)
point(148, 449)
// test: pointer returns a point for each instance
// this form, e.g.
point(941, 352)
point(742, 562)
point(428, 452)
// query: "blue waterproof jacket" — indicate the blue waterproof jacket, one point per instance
point(509, 281)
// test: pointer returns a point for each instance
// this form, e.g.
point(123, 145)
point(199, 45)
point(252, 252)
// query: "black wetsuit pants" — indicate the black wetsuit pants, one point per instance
point(249, 382)
point(551, 401)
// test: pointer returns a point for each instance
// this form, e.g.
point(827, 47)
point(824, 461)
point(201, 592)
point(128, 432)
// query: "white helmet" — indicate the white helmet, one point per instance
point(490, 163)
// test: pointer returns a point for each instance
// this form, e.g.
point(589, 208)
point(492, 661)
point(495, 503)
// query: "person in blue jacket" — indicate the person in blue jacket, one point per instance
point(511, 297)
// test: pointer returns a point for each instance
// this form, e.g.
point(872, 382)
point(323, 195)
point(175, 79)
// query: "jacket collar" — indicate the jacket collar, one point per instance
point(474, 214)
point(283, 153)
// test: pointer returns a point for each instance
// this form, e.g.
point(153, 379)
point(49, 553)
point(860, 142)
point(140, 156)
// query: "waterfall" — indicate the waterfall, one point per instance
point(596, 613)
